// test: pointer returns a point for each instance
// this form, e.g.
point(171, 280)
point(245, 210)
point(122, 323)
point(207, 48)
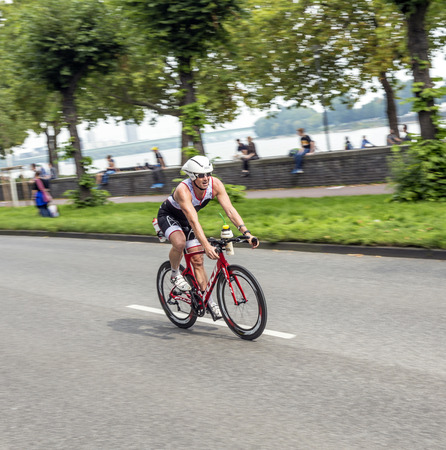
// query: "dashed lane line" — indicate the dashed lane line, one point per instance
point(278, 334)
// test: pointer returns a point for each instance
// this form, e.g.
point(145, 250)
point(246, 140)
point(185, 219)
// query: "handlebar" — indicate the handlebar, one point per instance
point(219, 243)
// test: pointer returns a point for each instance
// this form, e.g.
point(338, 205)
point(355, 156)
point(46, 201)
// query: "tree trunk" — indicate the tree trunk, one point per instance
point(391, 111)
point(187, 83)
point(51, 141)
point(415, 12)
point(70, 114)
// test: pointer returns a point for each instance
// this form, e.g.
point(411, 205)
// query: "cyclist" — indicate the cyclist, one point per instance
point(178, 220)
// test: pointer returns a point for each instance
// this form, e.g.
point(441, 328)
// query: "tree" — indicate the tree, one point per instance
point(59, 43)
point(311, 52)
point(13, 124)
point(180, 35)
point(415, 13)
point(420, 173)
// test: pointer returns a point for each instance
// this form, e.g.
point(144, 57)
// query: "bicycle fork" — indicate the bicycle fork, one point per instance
point(231, 279)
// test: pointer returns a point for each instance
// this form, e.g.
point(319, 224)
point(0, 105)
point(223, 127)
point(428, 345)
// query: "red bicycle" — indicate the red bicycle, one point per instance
point(239, 294)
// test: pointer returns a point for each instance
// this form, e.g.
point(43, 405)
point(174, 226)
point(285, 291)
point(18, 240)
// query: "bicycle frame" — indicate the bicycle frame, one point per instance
point(221, 266)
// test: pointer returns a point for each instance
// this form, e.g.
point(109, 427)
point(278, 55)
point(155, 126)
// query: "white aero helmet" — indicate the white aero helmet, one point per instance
point(196, 165)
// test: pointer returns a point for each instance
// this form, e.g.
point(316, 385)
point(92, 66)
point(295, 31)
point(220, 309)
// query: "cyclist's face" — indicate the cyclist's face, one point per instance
point(203, 182)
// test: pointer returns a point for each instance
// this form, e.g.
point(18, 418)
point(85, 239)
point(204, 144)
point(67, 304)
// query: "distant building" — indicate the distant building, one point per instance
point(131, 131)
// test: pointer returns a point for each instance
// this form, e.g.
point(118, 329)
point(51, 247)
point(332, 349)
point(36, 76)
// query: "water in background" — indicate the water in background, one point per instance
point(266, 147)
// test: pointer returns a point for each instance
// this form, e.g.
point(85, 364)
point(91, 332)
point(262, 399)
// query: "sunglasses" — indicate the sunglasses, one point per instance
point(202, 175)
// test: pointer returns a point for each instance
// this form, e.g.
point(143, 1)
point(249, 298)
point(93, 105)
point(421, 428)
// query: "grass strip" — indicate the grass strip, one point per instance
point(357, 220)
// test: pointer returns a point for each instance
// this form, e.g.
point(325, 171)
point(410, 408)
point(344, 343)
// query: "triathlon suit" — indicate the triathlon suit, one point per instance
point(171, 218)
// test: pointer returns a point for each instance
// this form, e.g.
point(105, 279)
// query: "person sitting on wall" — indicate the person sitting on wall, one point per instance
point(407, 136)
point(392, 138)
point(308, 146)
point(365, 143)
point(249, 153)
point(348, 144)
point(102, 177)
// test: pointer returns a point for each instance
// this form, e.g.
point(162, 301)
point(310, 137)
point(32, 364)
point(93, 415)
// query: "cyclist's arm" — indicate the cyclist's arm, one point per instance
point(184, 199)
point(231, 212)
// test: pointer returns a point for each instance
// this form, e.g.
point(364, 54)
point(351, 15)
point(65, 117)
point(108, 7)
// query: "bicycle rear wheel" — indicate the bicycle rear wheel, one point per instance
point(176, 304)
point(244, 311)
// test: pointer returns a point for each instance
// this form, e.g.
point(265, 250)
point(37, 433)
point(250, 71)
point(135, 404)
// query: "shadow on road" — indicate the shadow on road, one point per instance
point(166, 331)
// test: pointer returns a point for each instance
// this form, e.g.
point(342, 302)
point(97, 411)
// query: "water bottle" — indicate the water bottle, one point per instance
point(226, 232)
point(159, 233)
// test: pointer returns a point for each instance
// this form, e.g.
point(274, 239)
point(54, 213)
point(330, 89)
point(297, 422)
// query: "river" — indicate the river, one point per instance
point(266, 147)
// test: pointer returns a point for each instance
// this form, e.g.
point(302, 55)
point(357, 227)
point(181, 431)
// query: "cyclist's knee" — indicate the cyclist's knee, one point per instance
point(197, 261)
point(178, 241)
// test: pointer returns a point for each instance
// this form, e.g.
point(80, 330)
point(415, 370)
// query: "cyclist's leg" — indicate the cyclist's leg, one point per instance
point(178, 241)
point(197, 260)
point(173, 231)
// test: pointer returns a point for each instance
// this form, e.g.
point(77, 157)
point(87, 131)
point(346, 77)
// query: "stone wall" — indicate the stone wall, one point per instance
point(321, 169)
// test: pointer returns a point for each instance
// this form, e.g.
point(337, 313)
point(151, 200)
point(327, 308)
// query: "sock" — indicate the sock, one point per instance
point(175, 272)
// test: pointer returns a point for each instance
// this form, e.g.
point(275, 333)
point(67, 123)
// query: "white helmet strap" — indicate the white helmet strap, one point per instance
point(198, 187)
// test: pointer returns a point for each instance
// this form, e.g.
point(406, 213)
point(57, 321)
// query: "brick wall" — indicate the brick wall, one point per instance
point(321, 169)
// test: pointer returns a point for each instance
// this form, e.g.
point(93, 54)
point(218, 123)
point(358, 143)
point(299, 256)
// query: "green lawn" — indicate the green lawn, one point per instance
point(364, 220)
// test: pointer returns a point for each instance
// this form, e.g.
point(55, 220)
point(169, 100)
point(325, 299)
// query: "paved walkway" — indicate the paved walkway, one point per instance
point(314, 192)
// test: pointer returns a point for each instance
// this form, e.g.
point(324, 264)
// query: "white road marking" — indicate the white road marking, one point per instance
point(221, 323)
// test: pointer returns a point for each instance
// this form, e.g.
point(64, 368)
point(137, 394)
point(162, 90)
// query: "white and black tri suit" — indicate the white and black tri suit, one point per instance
point(171, 218)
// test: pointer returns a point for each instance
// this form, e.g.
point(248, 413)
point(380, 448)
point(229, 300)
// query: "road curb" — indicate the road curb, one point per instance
point(393, 252)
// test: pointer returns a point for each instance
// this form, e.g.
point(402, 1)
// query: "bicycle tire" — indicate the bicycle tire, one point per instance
point(247, 319)
point(179, 312)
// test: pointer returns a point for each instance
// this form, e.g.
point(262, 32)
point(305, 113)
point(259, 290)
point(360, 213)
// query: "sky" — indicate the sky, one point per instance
point(110, 134)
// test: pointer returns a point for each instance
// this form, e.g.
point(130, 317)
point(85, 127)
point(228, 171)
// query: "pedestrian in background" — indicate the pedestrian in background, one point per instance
point(157, 169)
point(250, 155)
point(406, 134)
point(102, 177)
point(392, 138)
point(307, 146)
point(40, 194)
point(348, 144)
point(52, 172)
point(365, 143)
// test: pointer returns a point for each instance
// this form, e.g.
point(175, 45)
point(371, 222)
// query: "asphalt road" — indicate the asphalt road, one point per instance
point(364, 367)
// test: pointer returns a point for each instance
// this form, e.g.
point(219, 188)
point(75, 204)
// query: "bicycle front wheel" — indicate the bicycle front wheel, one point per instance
point(176, 304)
point(242, 303)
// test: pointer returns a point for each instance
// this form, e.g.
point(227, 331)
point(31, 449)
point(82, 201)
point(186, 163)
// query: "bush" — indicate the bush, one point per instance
point(419, 173)
point(97, 197)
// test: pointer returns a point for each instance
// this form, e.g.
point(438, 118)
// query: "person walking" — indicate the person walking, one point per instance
point(40, 193)
point(158, 176)
point(307, 146)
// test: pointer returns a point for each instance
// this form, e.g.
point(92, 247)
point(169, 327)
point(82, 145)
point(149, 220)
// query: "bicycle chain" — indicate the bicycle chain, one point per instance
point(197, 304)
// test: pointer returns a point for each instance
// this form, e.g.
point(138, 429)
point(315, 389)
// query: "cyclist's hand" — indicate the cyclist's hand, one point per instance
point(211, 252)
point(253, 241)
